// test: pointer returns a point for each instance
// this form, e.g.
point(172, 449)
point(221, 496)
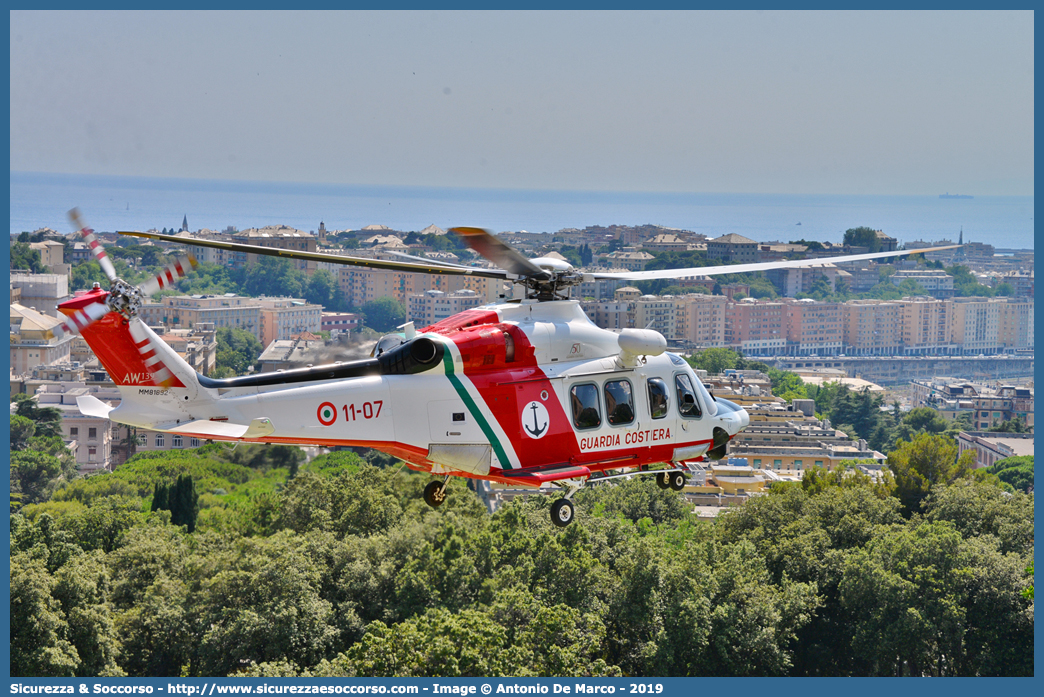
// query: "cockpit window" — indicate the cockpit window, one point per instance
point(688, 403)
point(584, 400)
point(619, 402)
point(657, 398)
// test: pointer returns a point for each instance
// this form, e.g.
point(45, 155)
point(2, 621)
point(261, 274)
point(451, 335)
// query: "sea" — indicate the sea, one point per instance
point(111, 203)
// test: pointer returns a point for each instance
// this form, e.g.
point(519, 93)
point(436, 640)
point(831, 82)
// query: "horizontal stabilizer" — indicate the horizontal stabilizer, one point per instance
point(92, 406)
point(225, 430)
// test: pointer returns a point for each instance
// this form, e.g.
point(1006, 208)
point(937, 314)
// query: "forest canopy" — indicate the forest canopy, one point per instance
point(337, 568)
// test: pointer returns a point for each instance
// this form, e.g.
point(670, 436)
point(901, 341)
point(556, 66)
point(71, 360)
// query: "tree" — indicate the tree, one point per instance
point(37, 474)
point(923, 463)
point(180, 498)
point(862, 237)
point(184, 503)
point(22, 429)
point(39, 647)
point(48, 420)
point(714, 360)
point(238, 349)
point(274, 276)
point(24, 257)
point(384, 314)
point(1016, 471)
point(321, 288)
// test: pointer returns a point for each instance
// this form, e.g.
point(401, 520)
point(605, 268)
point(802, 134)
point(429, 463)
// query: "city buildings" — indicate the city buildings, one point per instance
point(431, 306)
point(283, 318)
point(872, 327)
point(733, 248)
point(988, 407)
point(278, 237)
point(337, 322)
point(41, 291)
point(186, 311)
point(33, 341)
point(990, 447)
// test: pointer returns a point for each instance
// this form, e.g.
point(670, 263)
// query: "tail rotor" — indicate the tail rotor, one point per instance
point(122, 297)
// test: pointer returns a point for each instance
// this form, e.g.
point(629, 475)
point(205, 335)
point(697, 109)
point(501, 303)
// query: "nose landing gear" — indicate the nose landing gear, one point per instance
point(671, 480)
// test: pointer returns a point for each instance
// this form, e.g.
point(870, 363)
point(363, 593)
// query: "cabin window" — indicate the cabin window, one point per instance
point(688, 405)
point(619, 402)
point(584, 400)
point(657, 398)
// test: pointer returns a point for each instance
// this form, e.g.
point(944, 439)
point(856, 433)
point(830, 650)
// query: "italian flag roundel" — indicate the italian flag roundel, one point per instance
point(327, 413)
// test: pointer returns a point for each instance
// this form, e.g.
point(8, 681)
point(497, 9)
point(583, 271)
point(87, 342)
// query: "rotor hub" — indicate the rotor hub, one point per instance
point(125, 298)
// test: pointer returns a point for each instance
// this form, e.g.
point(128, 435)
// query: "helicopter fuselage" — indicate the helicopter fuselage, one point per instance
point(519, 392)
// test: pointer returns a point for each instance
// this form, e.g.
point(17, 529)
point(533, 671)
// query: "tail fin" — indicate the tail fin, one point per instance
point(131, 353)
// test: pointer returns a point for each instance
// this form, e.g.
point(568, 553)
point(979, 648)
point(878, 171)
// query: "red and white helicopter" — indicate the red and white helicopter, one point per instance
point(521, 392)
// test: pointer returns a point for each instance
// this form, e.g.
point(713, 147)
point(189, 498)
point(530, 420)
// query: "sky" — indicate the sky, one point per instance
point(917, 103)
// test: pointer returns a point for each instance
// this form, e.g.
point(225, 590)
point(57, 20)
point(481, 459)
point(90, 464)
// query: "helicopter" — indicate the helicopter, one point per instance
point(523, 392)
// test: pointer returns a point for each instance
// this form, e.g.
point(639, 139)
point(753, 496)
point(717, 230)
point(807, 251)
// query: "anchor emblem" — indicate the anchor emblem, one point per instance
point(539, 420)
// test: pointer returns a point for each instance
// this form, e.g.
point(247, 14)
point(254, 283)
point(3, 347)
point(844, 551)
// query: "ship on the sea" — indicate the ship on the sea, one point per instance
point(949, 195)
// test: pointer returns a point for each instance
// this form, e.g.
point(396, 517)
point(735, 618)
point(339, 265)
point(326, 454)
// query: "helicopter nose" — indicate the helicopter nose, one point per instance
point(733, 417)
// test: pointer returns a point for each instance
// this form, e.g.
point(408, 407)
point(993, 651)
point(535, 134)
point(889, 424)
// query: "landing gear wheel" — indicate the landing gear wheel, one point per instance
point(677, 481)
point(662, 481)
point(562, 512)
point(434, 494)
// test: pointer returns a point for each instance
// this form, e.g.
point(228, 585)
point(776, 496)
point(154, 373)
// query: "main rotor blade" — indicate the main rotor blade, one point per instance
point(95, 246)
point(500, 253)
point(82, 318)
point(759, 266)
point(324, 258)
point(430, 261)
point(172, 272)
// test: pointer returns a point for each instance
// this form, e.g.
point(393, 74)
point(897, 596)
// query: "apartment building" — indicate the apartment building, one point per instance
point(989, 407)
point(990, 447)
point(611, 314)
point(756, 328)
point(628, 258)
point(89, 437)
point(936, 282)
point(33, 341)
point(431, 306)
point(278, 237)
point(1016, 324)
point(926, 326)
point(656, 312)
point(337, 322)
point(41, 291)
point(813, 328)
point(284, 318)
point(734, 248)
point(791, 281)
point(700, 319)
point(361, 285)
point(186, 311)
point(975, 325)
point(872, 327)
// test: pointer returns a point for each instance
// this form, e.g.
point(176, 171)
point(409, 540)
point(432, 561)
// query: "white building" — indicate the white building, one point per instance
point(431, 306)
